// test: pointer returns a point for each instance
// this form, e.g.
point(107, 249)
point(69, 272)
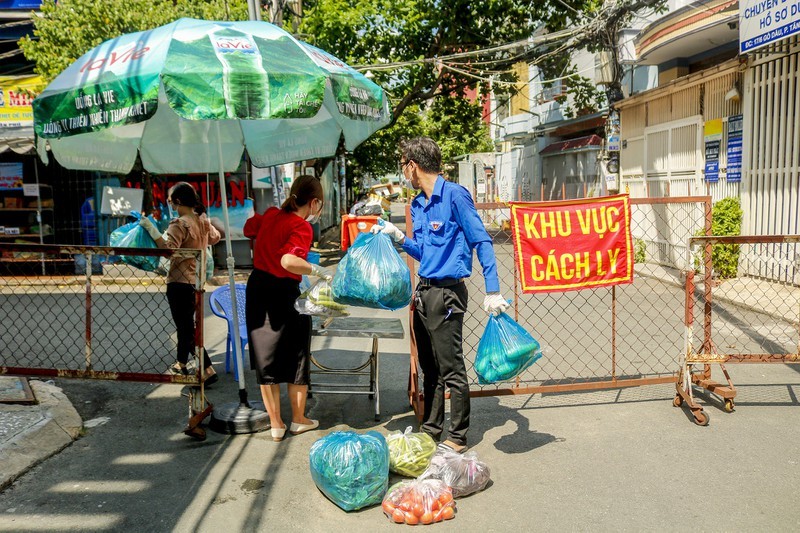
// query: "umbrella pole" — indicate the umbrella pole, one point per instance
point(237, 345)
point(234, 417)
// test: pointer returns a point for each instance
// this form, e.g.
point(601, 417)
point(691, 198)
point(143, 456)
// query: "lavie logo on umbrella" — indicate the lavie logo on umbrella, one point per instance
point(232, 44)
point(116, 57)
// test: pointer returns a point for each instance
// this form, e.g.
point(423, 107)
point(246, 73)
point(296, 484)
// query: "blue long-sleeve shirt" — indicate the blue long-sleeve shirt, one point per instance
point(446, 230)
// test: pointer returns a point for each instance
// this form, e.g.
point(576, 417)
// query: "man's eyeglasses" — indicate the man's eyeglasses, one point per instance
point(404, 164)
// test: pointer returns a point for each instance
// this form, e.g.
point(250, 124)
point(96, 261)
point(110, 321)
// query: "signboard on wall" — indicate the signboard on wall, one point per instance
point(764, 22)
point(734, 148)
point(16, 94)
point(712, 135)
point(20, 4)
point(120, 201)
point(10, 175)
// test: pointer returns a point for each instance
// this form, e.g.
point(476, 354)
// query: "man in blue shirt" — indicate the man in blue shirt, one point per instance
point(446, 228)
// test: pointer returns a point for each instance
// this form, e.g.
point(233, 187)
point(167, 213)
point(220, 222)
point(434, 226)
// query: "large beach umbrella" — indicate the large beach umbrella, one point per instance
point(191, 96)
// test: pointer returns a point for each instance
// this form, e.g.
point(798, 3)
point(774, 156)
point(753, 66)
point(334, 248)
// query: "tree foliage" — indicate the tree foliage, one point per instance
point(68, 29)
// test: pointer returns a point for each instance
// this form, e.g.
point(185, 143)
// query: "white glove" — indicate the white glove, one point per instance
point(321, 272)
point(150, 227)
point(494, 303)
point(389, 229)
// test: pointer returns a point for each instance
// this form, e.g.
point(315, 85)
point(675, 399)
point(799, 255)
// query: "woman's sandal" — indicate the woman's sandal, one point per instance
point(278, 433)
point(297, 429)
point(176, 368)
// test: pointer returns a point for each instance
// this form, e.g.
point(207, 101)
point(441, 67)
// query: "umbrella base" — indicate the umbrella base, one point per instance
point(235, 418)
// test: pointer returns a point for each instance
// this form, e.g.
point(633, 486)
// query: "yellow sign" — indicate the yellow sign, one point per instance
point(712, 131)
point(16, 94)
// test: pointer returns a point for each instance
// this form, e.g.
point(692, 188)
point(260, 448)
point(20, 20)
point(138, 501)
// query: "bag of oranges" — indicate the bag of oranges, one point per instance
point(419, 502)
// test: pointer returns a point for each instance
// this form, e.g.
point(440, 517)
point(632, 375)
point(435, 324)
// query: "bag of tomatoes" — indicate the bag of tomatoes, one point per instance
point(410, 453)
point(419, 502)
point(463, 473)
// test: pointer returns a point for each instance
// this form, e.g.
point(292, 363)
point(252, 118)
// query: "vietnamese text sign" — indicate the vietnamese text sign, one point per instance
point(734, 149)
point(573, 244)
point(763, 22)
point(16, 93)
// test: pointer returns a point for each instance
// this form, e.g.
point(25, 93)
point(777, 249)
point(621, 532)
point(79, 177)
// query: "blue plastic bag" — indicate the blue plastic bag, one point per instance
point(505, 350)
point(135, 236)
point(351, 469)
point(372, 274)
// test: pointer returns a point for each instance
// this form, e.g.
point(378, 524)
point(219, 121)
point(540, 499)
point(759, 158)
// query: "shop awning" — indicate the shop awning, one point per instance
point(590, 141)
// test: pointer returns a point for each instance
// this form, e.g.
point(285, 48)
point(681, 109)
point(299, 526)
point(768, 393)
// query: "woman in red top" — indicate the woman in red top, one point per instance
point(280, 337)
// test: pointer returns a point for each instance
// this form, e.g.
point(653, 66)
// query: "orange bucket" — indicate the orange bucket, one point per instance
point(353, 225)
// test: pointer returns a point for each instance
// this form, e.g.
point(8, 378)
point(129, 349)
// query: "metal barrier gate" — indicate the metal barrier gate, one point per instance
point(105, 320)
point(745, 319)
point(613, 337)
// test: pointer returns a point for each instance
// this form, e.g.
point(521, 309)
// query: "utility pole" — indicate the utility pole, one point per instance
point(253, 10)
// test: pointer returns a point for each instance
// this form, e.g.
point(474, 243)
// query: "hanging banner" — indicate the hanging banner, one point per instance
point(573, 244)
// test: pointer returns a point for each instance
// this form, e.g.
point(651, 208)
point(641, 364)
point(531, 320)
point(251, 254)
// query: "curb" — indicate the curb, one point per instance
point(53, 424)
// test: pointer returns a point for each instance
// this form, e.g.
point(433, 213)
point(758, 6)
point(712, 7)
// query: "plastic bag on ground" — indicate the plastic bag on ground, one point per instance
point(135, 236)
point(419, 502)
point(505, 350)
point(351, 469)
point(410, 453)
point(318, 301)
point(372, 274)
point(463, 473)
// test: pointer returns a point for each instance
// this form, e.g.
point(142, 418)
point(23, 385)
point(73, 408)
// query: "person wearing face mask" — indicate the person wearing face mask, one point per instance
point(446, 230)
point(280, 337)
point(191, 229)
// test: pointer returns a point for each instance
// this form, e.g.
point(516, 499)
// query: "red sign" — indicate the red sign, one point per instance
point(573, 244)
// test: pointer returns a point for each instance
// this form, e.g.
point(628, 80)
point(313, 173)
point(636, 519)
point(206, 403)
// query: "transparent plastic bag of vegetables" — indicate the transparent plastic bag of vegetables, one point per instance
point(410, 453)
point(318, 301)
point(419, 502)
point(505, 350)
point(372, 274)
point(351, 469)
point(463, 473)
point(135, 236)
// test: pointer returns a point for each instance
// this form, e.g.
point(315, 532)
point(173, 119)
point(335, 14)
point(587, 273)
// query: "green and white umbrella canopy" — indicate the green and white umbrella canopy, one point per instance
point(172, 93)
point(189, 97)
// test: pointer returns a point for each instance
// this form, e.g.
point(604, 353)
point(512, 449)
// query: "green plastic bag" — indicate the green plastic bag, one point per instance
point(505, 350)
point(351, 469)
point(410, 453)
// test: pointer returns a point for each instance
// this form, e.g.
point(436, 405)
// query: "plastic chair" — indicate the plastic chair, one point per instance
point(221, 306)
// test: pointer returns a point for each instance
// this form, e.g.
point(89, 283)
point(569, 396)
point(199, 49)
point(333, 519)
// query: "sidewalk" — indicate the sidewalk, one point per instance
point(29, 434)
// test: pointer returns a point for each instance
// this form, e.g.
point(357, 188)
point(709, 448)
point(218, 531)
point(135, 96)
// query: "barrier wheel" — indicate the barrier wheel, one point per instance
point(729, 405)
point(701, 418)
point(677, 401)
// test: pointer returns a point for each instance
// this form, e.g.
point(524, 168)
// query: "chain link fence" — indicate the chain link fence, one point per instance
point(741, 318)
point(609, 337)
point(79, 311)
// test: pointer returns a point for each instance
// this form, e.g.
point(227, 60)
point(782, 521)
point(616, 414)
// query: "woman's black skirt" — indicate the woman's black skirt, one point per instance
point(279, 336)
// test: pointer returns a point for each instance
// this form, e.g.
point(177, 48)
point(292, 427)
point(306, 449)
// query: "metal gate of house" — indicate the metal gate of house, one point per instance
point(611, 337)
point(91, 317)
point(744, 319)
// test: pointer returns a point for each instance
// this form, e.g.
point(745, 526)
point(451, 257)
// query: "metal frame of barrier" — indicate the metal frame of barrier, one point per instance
point(41, 335)
point(769, 308)
point(627, 360)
